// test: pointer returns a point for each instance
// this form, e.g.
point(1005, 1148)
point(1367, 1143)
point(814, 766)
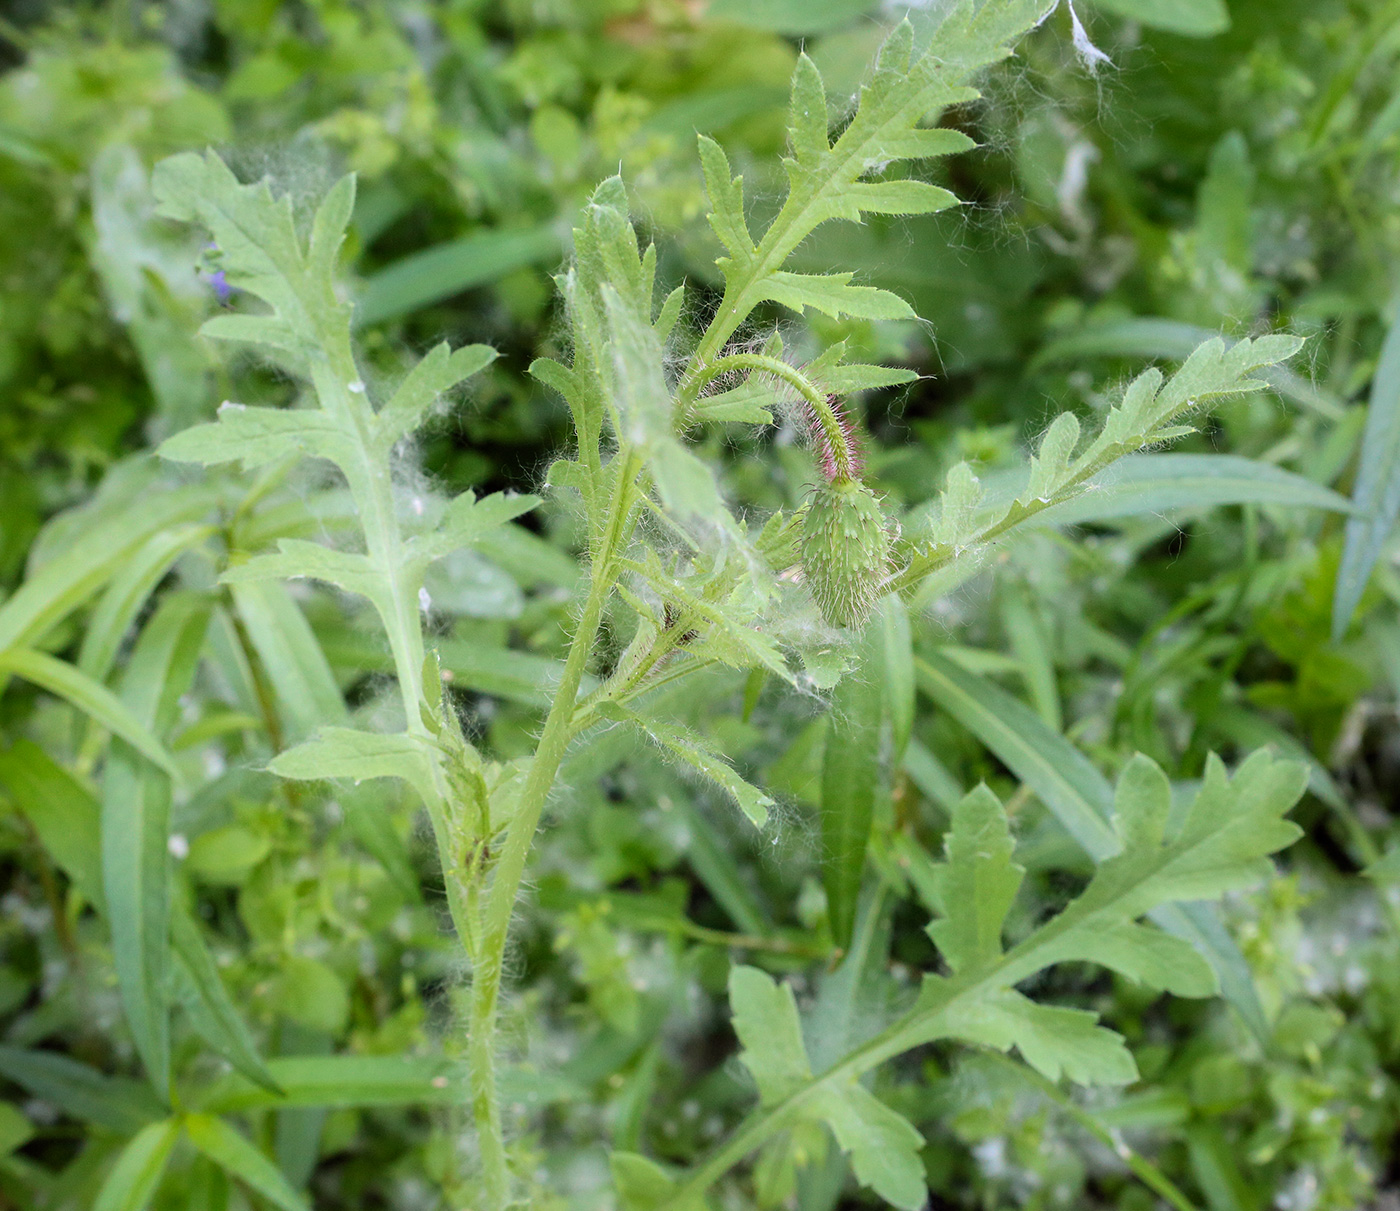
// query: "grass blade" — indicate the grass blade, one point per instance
point(63, 811)
point(291, 657)
point(850, 771)
point(134, 1178)
point(86, 563)
point(116, 1103)
point(91, 698)
point(446, 269)
point(237, 1157)
point(136, 798)
point(211, 1010)
point(1376, 496)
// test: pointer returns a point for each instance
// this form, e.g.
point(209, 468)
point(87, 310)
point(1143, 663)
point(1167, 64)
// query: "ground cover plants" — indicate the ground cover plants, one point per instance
point(861, 672)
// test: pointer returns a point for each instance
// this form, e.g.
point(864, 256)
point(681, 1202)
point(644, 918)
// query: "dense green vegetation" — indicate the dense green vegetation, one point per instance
point(853, 662)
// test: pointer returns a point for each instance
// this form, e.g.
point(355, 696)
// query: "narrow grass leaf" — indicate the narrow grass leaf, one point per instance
point(118, 1104)
point(136, 800)
point(240, 1159)
point(132, 1183)
point(437, 273)
point(1377, 492)
point(90, 697)
point(212, 1012)
point(850, 774)
point(291, 657)
point(63, 811)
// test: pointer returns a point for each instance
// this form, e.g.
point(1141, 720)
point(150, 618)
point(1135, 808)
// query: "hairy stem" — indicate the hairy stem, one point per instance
point(843, 456)
point(510, 866)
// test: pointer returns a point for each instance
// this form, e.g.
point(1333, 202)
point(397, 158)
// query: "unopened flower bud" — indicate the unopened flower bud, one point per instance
point(845, 550)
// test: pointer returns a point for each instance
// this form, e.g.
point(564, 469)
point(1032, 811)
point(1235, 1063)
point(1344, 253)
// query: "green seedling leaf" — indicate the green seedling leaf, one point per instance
point(342, 752)
point(117, 1104)
point(977, 884)
point(132, 1183)
point(240, 1159)
point(1082, 800)
point(765, 1019)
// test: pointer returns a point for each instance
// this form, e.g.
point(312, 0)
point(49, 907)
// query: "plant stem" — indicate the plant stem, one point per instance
point(510, 866)
point(1142, 1168)
point(823, 414)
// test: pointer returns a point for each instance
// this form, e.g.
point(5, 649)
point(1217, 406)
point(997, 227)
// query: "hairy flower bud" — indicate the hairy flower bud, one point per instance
point(845, 550)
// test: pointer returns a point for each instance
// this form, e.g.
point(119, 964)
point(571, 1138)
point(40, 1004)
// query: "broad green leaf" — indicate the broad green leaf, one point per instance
point(765, 1019)
point(239, 1158)
point(211, 1010)
point(643, 1185)
point(291, 657)
point(978, 883)
point(1053, 1040)
point(850, 776)
point(437, 273)
point(133, 1180)
point(118, 1104)
point(136, 799)
point(90, 697)
point(342, 752)
point(883, 1146)
point(1376, 496)
point(63, 811)
point(1082, 800)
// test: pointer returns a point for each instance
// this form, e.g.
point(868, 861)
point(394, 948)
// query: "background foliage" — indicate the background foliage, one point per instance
point(1225, 174)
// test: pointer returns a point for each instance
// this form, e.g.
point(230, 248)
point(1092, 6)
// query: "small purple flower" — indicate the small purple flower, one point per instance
point(218, 279)
point(222, 290)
